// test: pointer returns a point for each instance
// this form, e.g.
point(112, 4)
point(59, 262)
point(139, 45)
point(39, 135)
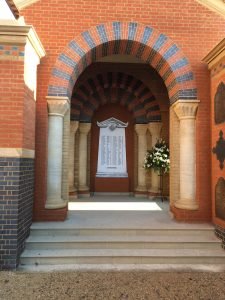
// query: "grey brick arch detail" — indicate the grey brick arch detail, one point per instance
point(135, 39)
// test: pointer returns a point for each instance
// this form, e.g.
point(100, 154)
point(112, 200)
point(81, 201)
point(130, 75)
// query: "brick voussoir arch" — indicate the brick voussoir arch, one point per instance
point(143, 42)
point(86, 111)
point(133, 93)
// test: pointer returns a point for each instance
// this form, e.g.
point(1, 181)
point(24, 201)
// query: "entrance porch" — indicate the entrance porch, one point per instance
point(112, 232)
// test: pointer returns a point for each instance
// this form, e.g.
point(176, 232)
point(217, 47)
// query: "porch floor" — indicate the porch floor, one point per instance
point(122, 212)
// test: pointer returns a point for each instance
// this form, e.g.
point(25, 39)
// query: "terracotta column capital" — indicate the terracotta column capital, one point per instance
point(141, 129)
point(57, 106)
point(84, 127)
point(155, 128)
point(74, 126)
point(186, 109)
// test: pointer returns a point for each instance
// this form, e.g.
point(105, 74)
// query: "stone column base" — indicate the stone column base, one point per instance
point(55, 203)
point(73, 195)
point(72, 190)
point(186, 204)
point(84, 194)
point(83, 191)
point(140, 193)
point(152, 194)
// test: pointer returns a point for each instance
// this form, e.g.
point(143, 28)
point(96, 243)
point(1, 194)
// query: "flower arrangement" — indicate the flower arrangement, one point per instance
point(158, 158)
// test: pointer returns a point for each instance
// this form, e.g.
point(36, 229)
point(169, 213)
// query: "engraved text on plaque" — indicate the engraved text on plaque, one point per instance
point(112, 149)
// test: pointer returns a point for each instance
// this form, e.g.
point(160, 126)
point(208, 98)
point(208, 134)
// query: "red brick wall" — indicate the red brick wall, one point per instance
point(12, 100)
point(17, 107)
point(194, 28)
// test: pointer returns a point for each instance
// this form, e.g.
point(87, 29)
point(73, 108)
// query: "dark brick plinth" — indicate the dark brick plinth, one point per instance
point(16, 201)
point(220, 233)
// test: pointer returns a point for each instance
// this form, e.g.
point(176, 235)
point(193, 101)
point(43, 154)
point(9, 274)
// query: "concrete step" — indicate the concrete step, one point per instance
point(125, 267)
point(122, 256)
point(70, 231)
point(208, 241)
point(120, 239)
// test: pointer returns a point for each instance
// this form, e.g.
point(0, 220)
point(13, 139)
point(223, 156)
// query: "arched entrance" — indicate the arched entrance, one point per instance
point(118, 94)
point(156, 50)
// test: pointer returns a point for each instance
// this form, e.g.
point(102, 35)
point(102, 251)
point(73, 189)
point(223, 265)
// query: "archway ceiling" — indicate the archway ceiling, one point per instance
point(114, 87)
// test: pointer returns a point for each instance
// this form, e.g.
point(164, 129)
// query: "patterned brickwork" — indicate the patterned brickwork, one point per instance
point(11, 104)
point(9, 51)
point(220, 233)
point(114, 88)
point(143, 42)
point(16, 201)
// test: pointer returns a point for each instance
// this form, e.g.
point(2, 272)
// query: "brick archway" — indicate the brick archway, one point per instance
point(138, 40)
point(162, 54)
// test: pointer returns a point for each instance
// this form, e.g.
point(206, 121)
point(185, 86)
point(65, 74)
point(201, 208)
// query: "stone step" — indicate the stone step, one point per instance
point(208, 241)
point(124, 267)
point(122, 256)
point(120, 239)
point(49, 231)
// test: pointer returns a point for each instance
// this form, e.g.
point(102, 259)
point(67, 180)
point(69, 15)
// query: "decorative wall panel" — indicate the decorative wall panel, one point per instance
point(220, 198)
point(219, 104)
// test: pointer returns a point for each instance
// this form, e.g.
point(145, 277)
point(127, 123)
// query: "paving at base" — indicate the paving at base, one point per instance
point(112, 285)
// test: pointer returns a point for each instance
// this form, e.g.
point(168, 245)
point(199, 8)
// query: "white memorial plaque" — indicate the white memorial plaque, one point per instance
point(112, 160)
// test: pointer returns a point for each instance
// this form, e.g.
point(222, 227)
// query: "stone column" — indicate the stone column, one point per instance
point(186, 112)
point(84, 129)
point(73, 128)
point(57, 107)
point(155, 130)
point(142, 148)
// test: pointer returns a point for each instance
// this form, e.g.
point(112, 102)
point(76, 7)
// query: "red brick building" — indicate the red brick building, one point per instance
point(66, 65)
